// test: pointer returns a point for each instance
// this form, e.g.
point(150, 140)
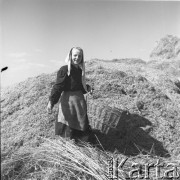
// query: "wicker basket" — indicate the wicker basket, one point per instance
point(103, 117)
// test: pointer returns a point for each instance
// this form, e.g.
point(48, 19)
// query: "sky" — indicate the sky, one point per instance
point(37, 35)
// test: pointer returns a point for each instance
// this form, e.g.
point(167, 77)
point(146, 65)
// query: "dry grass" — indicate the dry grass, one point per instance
point(57, 159)
point(118, 84)
point(74, 161)
point(168, 47)
point(24, 121)
point(62, 159)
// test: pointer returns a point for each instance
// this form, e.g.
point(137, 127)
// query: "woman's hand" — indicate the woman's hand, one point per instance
point(89, 89)
point(49, 108)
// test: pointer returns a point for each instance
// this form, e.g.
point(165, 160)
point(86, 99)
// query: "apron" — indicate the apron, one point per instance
point(72, 120)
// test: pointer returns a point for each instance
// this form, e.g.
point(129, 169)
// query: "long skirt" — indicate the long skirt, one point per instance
point(72, 121)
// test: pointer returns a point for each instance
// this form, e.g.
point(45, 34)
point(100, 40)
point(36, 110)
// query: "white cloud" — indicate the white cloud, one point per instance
point(20, 72)
point(38, 50)
point(18, 55)
point(142, 50)
point(36, 65)
point(22, 60)
point(56, 62)
point(22, 68)
point(14, 62)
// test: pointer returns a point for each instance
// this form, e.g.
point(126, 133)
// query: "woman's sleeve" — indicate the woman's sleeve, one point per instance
point(58, 86)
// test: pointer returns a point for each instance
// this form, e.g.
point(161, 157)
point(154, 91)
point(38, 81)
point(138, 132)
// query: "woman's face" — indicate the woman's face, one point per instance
point(76, 56)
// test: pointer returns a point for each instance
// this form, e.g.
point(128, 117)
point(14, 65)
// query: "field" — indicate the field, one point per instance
point(147, 97)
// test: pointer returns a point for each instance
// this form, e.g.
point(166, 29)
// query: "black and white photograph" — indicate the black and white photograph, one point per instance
point(90, 89)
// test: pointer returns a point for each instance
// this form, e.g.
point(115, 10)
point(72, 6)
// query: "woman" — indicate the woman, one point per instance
point(70, 85)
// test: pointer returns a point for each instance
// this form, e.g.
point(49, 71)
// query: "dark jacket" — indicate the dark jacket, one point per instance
point(73, 82)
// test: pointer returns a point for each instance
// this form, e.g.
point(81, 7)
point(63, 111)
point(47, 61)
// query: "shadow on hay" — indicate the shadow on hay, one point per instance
point(131, 137)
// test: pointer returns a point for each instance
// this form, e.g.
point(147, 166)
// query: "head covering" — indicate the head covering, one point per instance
point(68, 60)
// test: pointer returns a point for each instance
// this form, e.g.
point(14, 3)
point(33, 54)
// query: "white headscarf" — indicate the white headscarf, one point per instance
point(81, 65)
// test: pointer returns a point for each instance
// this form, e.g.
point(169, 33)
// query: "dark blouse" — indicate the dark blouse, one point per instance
point(73, 82)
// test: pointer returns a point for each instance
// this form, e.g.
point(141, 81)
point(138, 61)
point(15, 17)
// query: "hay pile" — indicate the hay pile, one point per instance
point(168, 47)
point(56, 158)
point(62, 159)
point(149, 98)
